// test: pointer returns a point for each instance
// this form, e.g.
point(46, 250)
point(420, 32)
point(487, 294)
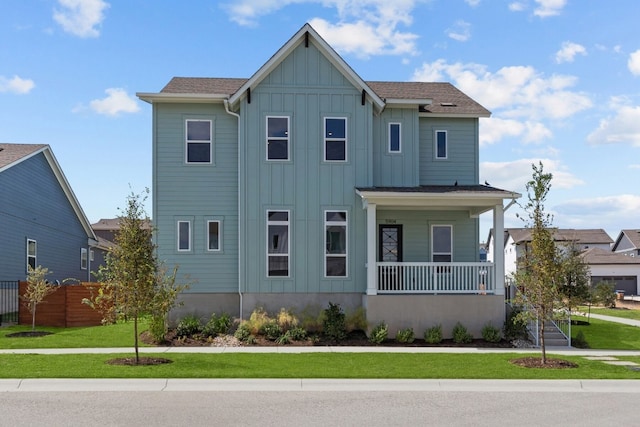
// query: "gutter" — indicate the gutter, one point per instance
point(237, 116)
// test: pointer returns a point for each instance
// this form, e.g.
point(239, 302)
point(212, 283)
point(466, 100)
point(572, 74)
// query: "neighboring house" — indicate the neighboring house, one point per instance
point(621, 270)
point(304, 185)
point(628, 243)
point(41, 221)
point(516, 239)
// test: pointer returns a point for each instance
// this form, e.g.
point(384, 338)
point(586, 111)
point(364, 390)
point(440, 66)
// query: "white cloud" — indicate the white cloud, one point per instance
point(365, 27)
point(16, 85)
point(461, 31)
point(495, 128)
point(116, 102)
point(637, 166)
point(634, 63)
point(604, 211)
point(81, 17)
point(569, 51)
point(549, 7)
point(514, 175)
point(517, 6)
point(472, 3)
point(622, 127)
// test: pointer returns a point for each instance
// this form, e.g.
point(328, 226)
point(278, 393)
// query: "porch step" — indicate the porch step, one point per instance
point(553, 337)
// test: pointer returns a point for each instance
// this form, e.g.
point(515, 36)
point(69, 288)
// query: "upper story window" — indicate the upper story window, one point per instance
point(335, 139)
point(277, 243)
point(31, 253)
point(441, 148)
point(335, 224)
point(394, 138)
point(213, 235)
point(442, 243)
point(184, 236)
point(198, 141)
point(277, 138)
point(83, 258)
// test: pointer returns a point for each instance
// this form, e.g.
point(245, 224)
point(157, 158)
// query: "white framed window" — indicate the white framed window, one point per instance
point(441, 148)
point(442, 243)
point(278, 138)
point(184, 236)
point(394, 138)
point(32, 253)
point(83, 258)
point(277, 243)
point(91, 255)
point(335, 139)
point(214, 235)
point(198, 141)
point(335, 243)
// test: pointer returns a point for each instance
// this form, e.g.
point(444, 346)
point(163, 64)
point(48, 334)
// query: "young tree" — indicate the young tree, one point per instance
point(540, 270)
point(38, 287)
point(574, 289)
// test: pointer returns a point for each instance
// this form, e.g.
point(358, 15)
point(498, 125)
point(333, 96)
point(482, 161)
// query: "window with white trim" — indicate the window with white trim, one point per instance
point(277, 243)
point(198, 141)
point(394, 138)
point(335, 139)
point(213, 235)
point(442, 243)
point(83, 258)
point(441, 144)
point(335, 258)
point(32, 249)
point(277, 138)
point(184, 236)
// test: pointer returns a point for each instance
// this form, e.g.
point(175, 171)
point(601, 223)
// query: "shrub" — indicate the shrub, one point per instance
point(334, 326)
point(243, 333)
point(271, 330)
point(491, 334)
point(579, 341)
point(514, 327)
point(188, 326)
point(157, 328)
point(257, 320)
point(356, 320)
point(297, 334)
point(286, 319)
point(217, 325)
point(604, 294)
point(405, 336)
point(461, 335)
point(433, 335)
point(379, 333)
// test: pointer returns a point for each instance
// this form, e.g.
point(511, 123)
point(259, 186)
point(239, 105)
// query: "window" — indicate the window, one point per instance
point(335, 139)
point(184, 236)
point(83, 258)
point(441, 144)
point(277, 243)
point(91, 255)
point(441, 243)
point(31, 253)
point(394, 138)
point(335, 225)
point(213, 235)
point(198, 141)
point(277, 138)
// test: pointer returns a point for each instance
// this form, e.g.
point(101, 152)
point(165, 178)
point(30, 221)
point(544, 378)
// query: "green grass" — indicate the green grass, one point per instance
point(118, 335)
point(601, 334)
point(306, 365)
point(615, 312)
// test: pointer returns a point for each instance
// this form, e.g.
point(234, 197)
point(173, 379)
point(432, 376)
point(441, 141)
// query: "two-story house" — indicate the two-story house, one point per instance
point(305, 184)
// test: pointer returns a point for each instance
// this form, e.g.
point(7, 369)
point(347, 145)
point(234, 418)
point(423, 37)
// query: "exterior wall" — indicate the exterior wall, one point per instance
point(620, 270)
point(35, 207)
point(424, 311)
point(416, 233)
point(307, 88)
point(396, 169)
point(462, 164)
point(196, 193)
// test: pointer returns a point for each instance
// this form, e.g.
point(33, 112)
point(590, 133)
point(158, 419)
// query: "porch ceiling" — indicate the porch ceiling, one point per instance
point(476, 199)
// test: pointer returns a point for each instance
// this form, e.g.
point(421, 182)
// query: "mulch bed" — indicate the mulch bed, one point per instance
point(142, 361)
point(28, 334)
point(536, 362)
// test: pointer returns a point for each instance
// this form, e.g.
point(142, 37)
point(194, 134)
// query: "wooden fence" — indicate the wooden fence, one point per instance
point(63, 308)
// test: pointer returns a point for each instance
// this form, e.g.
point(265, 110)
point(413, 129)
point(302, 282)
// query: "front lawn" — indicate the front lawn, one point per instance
point(615, 312)
point(601, 334)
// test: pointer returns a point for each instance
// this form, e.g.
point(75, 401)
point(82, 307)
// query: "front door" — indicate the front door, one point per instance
point(390, 250)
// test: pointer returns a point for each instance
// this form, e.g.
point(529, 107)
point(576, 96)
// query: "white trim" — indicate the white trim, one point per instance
point(344, 224)
point(84, 258)
point(278, 138)
point(197, 141)
point(181, 97)
point(390, 124)
point(34, 256)
point(178, 231)
point(208, 234)
point(435, 144)
point(288, 254)
point(433, 252)
point(325, 139)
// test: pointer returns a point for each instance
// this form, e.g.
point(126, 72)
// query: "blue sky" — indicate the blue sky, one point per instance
point(561, 77)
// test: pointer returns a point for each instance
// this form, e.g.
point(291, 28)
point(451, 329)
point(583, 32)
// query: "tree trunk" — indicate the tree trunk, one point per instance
point(135, 332)
point(541, 338)
point(33, 316)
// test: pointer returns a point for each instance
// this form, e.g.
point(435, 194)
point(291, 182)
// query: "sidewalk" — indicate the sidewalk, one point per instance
point(613, 319)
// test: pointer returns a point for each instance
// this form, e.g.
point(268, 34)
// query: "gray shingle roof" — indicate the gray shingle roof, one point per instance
point(10, 153)
point(446, 98)
point(633, 236)
point(602, 256)
point(580, 236)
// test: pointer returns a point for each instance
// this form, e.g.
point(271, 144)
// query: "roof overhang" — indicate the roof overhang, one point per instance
point(450, 115)
point(207, 98)
point(406, 103)
point(475, 202)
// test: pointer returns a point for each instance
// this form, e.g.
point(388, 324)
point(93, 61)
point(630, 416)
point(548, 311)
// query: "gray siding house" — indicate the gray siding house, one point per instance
point(304, 185)
point(41, 221)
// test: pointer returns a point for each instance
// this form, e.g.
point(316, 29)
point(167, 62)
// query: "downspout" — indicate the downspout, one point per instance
point(237, 116)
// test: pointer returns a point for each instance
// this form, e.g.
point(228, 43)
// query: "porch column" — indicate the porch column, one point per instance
point(498, 248)
point(372, 275)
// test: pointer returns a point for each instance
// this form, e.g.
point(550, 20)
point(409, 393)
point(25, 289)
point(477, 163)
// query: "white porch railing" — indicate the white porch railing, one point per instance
point(436, 278)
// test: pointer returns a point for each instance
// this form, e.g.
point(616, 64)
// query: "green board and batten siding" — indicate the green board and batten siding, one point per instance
point(307, 88)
